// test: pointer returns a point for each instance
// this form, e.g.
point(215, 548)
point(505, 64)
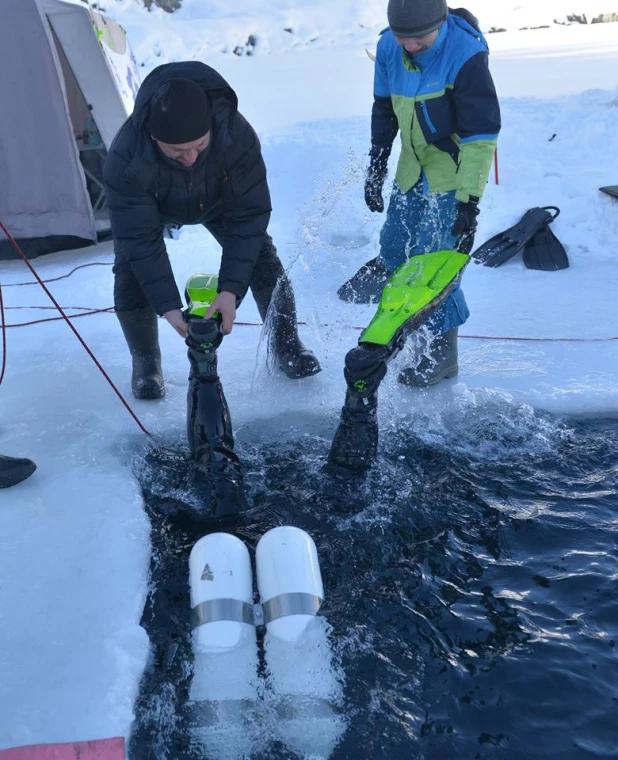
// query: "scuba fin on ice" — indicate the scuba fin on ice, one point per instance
point(545, 252)
point(610, 190)
point(503, 246)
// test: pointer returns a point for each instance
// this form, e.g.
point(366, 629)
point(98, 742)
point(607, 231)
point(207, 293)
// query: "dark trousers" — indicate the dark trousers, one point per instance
point(128, 294)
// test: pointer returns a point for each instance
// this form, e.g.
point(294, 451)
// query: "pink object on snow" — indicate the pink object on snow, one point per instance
point(100, 749)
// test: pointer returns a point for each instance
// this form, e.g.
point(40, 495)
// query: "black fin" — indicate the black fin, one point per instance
point(545, 252)
point(505, 245)
point(367, 284)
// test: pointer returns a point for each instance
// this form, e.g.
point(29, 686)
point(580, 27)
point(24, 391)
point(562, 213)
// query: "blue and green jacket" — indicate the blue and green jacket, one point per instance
point(444, 104)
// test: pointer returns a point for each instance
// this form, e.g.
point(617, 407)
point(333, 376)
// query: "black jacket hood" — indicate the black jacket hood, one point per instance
point(221, 95)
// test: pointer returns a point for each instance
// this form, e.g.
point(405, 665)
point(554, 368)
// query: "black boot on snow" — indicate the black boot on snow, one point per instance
point(14, 470)
point(278, 311)
point(142, 335)
point(209, 427)
point(355, 444)
point(367, 284)
point(439, 363)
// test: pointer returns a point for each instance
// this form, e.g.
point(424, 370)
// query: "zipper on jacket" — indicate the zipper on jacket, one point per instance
point(430, 124)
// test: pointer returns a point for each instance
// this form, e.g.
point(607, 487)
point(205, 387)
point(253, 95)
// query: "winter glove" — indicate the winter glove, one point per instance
point(374, 182)
point(464, 226)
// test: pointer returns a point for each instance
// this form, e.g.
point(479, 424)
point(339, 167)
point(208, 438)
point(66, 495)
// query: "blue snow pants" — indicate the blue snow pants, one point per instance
point(419, 222)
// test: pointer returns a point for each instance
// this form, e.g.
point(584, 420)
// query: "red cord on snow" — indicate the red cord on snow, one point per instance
point(62, 276)
point(3, 337)
point(68, 321)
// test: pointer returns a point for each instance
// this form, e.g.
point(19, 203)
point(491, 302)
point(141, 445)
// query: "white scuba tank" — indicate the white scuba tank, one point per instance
point(305, 685)
point(224, 687)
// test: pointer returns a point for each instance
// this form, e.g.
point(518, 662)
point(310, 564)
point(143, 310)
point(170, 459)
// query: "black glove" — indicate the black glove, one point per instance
point(376, 174)
point(465, 224)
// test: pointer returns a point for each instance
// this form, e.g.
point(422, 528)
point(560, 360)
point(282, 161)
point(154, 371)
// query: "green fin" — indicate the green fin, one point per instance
point(412, 292)
point(200, 292)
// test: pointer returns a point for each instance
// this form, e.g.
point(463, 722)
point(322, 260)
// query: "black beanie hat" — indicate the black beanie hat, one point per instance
point(415, 18)
point(179, 112)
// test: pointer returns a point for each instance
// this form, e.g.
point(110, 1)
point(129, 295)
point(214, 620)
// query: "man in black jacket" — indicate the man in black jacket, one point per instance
point(187, 156)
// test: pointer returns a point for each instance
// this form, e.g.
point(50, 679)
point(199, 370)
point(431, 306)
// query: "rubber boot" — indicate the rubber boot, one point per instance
point(209, 426)
point(355, 444)
point(367, 284)
point(142, 335)
point(277, 308)
point(14, 470)
point(439, 362)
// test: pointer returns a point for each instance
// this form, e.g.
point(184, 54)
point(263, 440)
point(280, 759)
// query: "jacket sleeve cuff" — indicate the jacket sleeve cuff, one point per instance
point(229, 286)
point(464, 196)
point(165, 306)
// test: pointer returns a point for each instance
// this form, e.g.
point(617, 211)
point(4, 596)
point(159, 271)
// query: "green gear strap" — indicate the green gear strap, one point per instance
point(413, 290)
point(200, 292)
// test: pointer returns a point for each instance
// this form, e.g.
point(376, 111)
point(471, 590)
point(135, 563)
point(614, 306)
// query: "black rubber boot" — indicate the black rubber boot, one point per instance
point(14, 470)
point(355, 444)
point(142, 335)
point(367, 284)
point(439, 362)
point(209, 426)
point(277, 308)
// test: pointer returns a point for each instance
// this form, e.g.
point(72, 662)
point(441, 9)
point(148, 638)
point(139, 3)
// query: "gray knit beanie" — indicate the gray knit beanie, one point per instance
point(415, 18)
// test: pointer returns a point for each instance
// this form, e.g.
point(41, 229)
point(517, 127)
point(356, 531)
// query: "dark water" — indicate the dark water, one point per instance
point(470, 579)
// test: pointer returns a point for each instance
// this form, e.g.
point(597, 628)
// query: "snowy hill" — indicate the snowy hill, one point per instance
point(246, 27)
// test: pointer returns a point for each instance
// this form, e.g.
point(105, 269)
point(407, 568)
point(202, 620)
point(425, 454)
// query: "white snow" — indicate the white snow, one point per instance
point(74, 540)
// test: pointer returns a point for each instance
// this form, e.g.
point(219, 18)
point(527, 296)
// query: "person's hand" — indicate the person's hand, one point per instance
point(177, 321)
point(464, 226)
point(374, 182)
point(225, 304)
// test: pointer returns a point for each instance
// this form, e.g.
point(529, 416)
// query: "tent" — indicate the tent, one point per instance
point(69, 81)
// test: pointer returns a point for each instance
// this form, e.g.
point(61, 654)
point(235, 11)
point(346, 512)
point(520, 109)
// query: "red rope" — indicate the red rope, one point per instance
point(62, 276)
point(110, 310)
point(58, 319)
point(3, 337)
point(68, 321)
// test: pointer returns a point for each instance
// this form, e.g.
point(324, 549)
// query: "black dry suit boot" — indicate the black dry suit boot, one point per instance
point(439, 362)
point(209, 427)
point(355, 444)
point(142, 335)
point(278, 311)
point(13, 470)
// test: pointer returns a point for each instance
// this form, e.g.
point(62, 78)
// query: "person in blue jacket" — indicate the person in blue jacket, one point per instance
point(432, 85)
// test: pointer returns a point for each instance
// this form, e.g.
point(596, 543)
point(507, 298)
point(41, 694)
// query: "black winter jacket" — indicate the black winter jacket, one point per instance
point(145, 190)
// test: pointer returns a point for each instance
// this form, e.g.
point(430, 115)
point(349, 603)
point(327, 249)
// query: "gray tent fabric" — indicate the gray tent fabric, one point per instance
point(44, 192)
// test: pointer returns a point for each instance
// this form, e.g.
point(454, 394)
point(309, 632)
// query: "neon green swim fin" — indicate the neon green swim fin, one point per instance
point(412, 293)
point(200, 291)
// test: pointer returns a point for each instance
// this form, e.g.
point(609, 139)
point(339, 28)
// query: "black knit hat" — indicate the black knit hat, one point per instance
point(179, 112)
point(415, 18)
